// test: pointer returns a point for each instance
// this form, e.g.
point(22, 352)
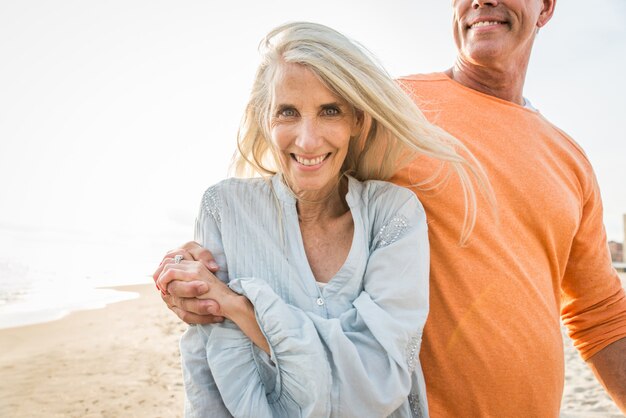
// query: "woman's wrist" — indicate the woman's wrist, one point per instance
point(241, 312)
point(239, 309)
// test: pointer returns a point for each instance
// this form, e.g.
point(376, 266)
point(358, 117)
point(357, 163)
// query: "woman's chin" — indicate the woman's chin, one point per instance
point(312, 187)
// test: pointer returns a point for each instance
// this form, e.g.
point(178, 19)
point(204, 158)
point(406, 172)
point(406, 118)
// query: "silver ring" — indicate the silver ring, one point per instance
point(177, 259)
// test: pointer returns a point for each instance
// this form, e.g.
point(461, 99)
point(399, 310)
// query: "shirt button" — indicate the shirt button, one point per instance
point(320, 301)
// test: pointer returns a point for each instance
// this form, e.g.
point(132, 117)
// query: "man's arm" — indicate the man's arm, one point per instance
point(188, 308)
point(593, 299)
point(609, 366)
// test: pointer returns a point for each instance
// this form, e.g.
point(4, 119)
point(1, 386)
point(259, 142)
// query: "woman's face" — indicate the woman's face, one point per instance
point(310, 130)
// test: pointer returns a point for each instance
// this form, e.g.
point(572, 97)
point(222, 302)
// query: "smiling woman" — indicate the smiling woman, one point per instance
point(323, 271)
point(311, 129)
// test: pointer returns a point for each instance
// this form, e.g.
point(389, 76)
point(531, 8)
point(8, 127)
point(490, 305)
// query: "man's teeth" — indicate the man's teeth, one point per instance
point(487, 23)
point(314, 161)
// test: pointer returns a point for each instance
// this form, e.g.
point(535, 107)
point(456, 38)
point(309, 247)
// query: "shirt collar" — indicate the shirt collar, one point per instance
point(283, 193)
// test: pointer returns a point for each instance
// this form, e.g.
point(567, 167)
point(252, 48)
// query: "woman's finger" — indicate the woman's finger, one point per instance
point(195, 319)
point(186, 271)
point(169, 257)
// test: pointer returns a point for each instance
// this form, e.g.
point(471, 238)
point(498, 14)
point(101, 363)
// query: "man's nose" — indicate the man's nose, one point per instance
point(482, 3)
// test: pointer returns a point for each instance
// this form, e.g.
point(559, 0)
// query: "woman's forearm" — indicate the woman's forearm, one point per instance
point(242, 313)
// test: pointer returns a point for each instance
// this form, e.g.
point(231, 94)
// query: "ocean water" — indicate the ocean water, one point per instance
point(46, 274)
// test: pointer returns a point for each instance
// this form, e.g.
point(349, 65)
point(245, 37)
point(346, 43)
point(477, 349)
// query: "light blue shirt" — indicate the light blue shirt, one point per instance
point(347, 349)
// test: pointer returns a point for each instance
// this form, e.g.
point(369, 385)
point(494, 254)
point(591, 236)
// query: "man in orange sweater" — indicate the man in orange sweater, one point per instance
point(492, 344)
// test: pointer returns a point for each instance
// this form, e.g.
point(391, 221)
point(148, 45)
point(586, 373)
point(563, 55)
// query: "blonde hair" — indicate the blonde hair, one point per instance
point(393, 130)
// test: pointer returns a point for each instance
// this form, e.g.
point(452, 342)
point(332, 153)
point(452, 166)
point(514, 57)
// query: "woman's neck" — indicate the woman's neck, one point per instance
point(323, 205)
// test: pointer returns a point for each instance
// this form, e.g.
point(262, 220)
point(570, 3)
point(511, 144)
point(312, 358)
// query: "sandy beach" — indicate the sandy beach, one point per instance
point(122, 361)
point(119, 361)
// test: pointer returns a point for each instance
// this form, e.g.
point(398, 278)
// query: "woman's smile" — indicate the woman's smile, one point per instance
point(310, 163)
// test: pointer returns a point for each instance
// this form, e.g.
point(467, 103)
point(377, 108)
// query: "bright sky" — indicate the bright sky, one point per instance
point(116, 115)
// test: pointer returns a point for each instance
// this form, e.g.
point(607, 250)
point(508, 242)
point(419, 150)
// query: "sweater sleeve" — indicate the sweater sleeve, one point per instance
point(364, 360)
point(593, 303)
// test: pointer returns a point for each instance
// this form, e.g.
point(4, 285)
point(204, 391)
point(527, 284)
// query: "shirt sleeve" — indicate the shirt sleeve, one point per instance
point(202, 395)
point(201, 392)
point(208, 229)
point(593, 301)
point(364, 360)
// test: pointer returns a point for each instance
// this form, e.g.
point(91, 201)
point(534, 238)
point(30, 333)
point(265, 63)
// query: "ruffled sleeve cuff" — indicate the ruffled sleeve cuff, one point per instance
point(303, 378)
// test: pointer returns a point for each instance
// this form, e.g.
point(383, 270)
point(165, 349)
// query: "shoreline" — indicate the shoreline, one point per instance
point(120, 360)
point(22, 314)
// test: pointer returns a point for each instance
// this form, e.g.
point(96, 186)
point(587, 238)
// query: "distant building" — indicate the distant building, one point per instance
point(617, 251)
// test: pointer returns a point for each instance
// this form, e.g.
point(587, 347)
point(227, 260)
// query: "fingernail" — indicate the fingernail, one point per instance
point(203, 287)
point(213, 265)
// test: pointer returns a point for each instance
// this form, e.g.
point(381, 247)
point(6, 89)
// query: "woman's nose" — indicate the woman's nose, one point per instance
point(309, 136)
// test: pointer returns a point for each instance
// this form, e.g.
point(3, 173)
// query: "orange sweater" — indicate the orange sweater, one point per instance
point(492, 343)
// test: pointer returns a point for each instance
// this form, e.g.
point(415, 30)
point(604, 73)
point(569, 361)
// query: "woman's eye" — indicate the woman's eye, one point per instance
point(288, 113)
point(331, 111)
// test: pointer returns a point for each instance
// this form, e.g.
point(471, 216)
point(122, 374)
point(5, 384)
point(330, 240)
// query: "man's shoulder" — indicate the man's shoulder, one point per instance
point(566, 138)
point(423, 77)
point(423, 88)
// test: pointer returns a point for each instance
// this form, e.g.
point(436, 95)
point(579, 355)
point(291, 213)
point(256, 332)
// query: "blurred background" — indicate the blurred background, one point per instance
point(116, 115)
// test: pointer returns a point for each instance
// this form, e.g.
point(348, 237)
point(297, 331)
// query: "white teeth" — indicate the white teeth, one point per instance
point(486, 23)
point(313, 161)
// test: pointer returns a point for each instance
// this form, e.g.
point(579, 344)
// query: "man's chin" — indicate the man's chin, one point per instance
point(485, 53)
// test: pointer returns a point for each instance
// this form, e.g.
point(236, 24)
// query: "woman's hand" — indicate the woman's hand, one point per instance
point(181, 297)
point(228, 303)
point(189, 251)
point(224, 302)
